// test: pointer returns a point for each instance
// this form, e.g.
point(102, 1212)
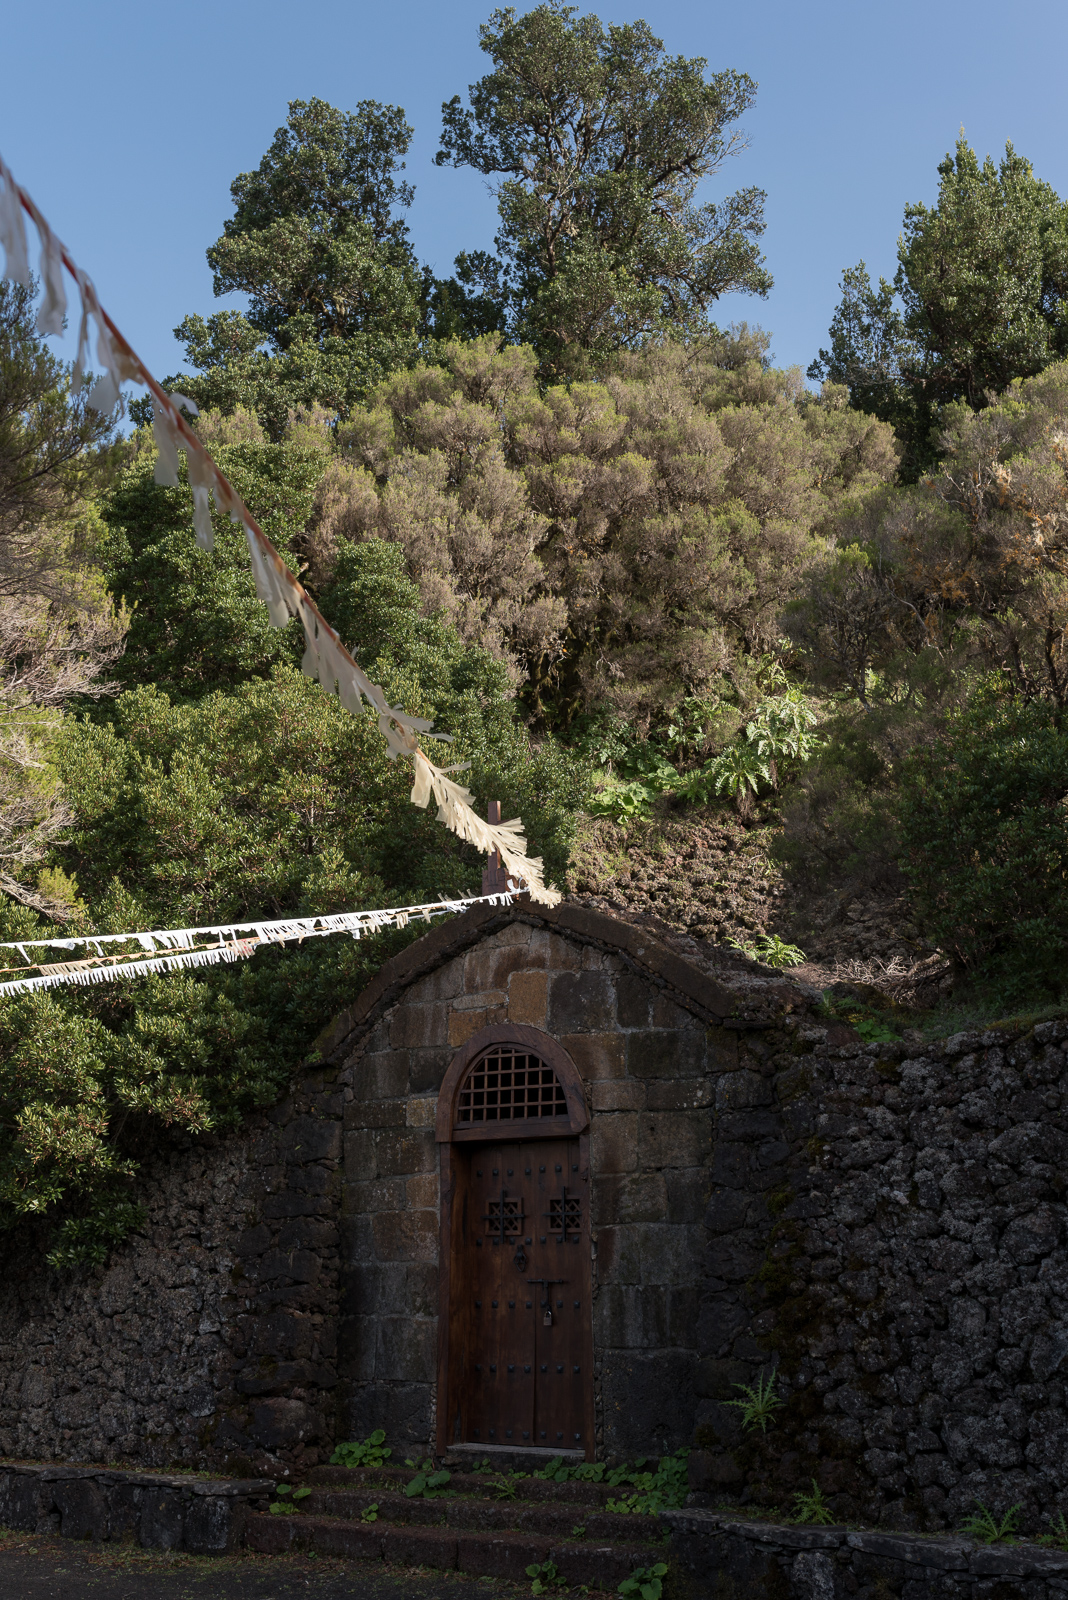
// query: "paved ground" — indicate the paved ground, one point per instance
point(40, 1568)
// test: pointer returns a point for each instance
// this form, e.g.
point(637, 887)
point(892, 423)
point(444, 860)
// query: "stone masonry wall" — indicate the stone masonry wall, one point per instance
point(886, 1230)
point(727, 1558)
point(890, 1230)
point(208, 1339)
point(650, 1069)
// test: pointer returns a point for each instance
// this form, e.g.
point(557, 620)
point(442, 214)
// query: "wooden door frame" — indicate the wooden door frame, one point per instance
point(575, 1125)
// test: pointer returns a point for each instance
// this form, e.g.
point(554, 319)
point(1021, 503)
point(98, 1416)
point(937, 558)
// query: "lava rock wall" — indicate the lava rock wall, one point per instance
point(901, 1263)
point(883, 1229)
point(209, 1337)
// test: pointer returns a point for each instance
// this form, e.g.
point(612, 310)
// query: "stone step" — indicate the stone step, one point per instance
point(467, 1483)
point(476, 1512)
point(464, 1457)
point(480, 1552)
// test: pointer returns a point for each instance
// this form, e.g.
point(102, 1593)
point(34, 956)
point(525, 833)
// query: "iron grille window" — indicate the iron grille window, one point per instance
point(505, 1218)
point(565, 1214)
point(508, 1084)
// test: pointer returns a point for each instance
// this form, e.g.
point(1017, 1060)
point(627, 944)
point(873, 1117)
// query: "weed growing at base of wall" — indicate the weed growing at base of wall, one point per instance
point(644, 1583)
point(812, 1507)
point(983, 1525)
point(760, 1403)
point(370, 1452)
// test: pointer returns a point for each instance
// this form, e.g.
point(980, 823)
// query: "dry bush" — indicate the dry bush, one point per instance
point(239, 426)
point(622, 543)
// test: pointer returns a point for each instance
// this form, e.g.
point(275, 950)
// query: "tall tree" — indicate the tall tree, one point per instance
point(319, 244)
point(600, 141)
point(979, 298)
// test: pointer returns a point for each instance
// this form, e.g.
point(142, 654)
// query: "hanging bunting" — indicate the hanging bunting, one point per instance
point(170, 949)
point(325, 657)
point(13, 231)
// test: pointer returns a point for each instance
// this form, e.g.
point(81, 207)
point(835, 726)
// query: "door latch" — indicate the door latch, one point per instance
point(547, 1283)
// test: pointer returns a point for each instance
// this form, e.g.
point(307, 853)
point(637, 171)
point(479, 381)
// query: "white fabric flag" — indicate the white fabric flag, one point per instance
point(167, 441)
point(310, 623)
point(202, 516)
point(104, 394)
point(270, 588)
point(202, 480)
point(118, 362)
point(348, 690)
point(13, 232)
point(332, 663)
point(455, 810)
point(226, 501)
point(82, 354)
point(54, 305)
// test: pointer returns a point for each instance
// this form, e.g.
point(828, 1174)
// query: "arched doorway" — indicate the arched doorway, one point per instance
point(516, 1353)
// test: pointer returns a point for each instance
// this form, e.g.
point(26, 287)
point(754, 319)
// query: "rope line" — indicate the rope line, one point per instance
point(178, 950)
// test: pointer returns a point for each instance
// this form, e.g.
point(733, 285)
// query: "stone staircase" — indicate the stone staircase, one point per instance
point(490, 1525)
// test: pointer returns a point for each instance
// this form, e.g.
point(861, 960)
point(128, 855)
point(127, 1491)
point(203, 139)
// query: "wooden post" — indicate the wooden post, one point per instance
point(495, 876)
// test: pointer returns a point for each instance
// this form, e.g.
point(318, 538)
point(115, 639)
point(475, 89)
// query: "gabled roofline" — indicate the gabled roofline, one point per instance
point(695, 989)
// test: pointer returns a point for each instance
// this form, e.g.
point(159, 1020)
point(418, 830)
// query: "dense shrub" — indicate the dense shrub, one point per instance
point(254, 800)
point(984, 830)
point(196, 623)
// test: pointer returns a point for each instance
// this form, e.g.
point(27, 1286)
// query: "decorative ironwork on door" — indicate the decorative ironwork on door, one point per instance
point(504, 1222)
point(565, 1216)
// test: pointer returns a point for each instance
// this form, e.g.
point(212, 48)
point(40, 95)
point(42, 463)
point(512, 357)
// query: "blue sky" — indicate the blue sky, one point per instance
point(128, 121)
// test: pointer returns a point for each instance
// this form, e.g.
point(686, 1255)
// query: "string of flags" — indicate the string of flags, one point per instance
point(169, 949)
point(325, 657)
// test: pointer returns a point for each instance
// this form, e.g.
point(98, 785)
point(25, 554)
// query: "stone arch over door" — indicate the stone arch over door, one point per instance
point(515, 1367)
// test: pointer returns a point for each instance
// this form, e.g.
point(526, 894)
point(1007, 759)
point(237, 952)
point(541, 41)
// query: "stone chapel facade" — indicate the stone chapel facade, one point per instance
point(560, 1181)
point(527, 1168)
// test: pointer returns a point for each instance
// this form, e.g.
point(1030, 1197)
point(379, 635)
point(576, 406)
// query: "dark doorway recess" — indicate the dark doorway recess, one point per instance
point(516, 1354)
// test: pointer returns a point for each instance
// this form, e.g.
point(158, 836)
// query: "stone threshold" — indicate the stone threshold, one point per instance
point(159, 1510)
point(465, 1456)
point(808, 1556)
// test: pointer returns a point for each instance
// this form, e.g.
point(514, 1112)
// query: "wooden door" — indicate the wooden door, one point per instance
point(521, 1304)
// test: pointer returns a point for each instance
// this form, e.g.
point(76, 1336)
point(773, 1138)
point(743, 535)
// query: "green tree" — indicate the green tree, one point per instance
point(258, 799)
point(196, 623)
point(870, 352)
point(600, 140)
point(59, 631)
point(922, 591)
point(925, 584)
point(985, 835)
point(980, 297)
point(319, 245)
